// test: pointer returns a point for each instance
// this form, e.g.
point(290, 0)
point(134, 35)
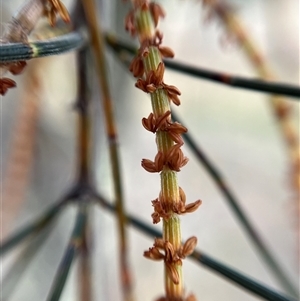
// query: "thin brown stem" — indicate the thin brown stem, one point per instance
point(111, 131)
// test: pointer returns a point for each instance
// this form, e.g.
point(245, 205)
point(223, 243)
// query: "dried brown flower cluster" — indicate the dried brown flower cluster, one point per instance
point(154, 8)
point(149, 69)
point(170, 255)
point(163, 209)
point(18, 30)
point(154, 81)
point(54, 7)
point(14, 68)
point(162, 123)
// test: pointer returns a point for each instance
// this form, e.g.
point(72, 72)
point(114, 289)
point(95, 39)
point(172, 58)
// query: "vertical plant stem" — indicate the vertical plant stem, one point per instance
point(84, 272)
point(169, 186)
point(148, 66)
point(111, 132)
point(83, 119)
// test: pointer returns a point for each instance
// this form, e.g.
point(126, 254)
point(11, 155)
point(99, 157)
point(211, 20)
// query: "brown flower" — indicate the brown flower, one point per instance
point(169, 252)
point(175, 131)
point(137, 66)
point(188, 247)
point(54, 7)
point(181, 207)
point(153, 79)
point(173, 93)
point(166, 51)
point(152, 124)
point(156, 11)
point(5, 84)
point(155, 166)
point(175, 158)
point(154, 254)
point(16, 67)
point(163, 123)
point(130, 23)
point(192, 206)
point(160, 211)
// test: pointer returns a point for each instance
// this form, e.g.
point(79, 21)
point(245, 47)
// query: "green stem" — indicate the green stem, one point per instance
point(169, 186)
point(172, 233)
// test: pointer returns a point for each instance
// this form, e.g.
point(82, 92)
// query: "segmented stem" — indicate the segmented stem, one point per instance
point(148, 66)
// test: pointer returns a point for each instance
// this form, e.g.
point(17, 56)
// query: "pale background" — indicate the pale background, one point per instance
point(235, 128)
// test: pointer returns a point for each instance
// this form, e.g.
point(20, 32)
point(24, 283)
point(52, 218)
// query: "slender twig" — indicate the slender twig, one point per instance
point(85, 267)
point(23, 261)
point(72, 249)
point(33, 227)
point(119, 47)
point(82, 106)
point(239, 279)
point(84, 169)
point(205, 260)
point(238, 81)
point(111, 132)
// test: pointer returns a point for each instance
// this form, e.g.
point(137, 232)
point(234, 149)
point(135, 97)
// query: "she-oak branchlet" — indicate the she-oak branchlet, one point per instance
point(149, 68)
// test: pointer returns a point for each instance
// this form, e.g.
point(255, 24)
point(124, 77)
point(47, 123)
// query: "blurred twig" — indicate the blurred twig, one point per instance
point(74, 246)
point(23, 261)
point(121, 48)
point(84, 169)
point(85, 267)
point(33, 227)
